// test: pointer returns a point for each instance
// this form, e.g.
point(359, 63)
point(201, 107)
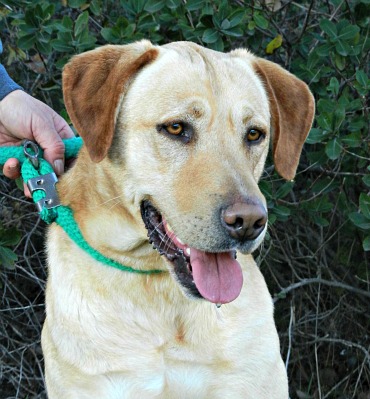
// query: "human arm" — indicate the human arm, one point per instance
point(24, 117)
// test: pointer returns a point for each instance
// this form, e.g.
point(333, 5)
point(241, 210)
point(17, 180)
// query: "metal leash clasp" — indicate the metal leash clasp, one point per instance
point(45, 183)
point(34, 158)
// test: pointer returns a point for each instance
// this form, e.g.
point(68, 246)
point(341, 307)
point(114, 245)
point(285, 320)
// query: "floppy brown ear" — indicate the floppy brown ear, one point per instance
point(94, 83)
point(292, 108)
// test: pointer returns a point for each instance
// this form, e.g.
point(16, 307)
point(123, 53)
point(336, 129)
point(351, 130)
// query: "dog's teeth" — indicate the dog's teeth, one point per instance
point(187, 251)
point(169, 228)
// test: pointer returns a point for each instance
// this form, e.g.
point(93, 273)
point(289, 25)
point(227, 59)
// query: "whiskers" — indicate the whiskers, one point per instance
point(167, 243)
point(112, 202)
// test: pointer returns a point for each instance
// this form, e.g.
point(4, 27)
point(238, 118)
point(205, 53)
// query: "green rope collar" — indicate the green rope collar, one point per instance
point(41, 179)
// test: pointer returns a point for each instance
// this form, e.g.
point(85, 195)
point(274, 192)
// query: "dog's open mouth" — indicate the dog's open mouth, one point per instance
point(216, 277)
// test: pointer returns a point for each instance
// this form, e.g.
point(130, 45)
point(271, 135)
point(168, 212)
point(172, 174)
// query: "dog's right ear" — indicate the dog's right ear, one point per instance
point(94, 84)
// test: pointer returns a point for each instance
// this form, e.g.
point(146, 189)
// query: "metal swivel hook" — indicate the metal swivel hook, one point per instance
point(33, 156)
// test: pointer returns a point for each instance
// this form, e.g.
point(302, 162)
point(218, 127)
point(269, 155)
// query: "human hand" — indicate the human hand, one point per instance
point(24, 117)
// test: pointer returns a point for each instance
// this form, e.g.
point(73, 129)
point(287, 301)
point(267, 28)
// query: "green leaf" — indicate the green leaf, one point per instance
point(339, 116)
point(67, 23)
point(210, 36)
point(316, 136)
point(61, 28)
point(260, 21)
point(43, 47)
point(274, 44)
point(324, 105)
point(334, 86)
point(324, 49)
point(153, 6)
point(218, 45)
point(225, 24)
point(108, 35)
point(193, 5)
point(265, 188)
point(208, 9)
point(137, 5)
point(272, 219)
point(319, 205)
point(61, 46)
point(284, 190)
point(362, 78)
point(9, 237)
point(333, 149)
point(236, 17)
point(366, 243)
point(96, 7)
point(349, 32)
point(234, 32)
point(282, 212)
point(7, 258)
point(324, 185)
point(329, 28)
point(353, 139)
point(342, 48)
point(19, 183)
point(27, 41)
point(30, 17)
point(173, 4)
point(359, 220)
point(76, 3)
point(325, 121)
point(340, 61)
point(320, 221)
point(366, 180)
point(354, 105)
point(365, 205)
point(81, 23)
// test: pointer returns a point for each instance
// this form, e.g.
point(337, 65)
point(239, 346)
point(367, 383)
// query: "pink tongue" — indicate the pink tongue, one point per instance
point(218, 276)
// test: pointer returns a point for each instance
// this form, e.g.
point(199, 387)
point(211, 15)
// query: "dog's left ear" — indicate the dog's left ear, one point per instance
point(292, 108)
point(94, 84)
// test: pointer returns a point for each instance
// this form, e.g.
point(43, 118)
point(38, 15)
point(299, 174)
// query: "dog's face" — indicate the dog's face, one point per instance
point(190, 128)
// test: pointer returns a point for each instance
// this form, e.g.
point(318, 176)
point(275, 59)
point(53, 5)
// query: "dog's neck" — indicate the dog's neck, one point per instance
point(106, 224)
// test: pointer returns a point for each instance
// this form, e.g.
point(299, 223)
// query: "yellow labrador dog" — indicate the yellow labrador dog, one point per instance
point(175, 142)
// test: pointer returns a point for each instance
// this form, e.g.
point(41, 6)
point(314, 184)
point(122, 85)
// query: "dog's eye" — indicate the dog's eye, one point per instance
point(174, 128)
point(254, 136)
point(179, 131)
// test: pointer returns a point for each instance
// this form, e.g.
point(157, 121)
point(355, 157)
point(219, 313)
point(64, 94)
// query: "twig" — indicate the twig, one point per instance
point(346, 343)
point(316, 331)
point(292, 311)
point(317, 280)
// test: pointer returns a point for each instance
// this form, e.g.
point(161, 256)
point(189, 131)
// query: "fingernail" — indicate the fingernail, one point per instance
point(59, 166)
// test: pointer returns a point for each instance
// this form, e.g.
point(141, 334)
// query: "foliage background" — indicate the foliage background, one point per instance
point(314, 258)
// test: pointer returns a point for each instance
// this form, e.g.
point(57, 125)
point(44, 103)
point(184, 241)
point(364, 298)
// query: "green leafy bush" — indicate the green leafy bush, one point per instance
point(323, 217)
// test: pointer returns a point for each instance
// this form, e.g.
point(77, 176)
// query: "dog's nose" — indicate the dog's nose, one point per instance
point(244, 221)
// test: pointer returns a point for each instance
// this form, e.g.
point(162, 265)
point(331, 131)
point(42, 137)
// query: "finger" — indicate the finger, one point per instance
point(61, 126)
point(53, 147)
point(26, 190)
point(11, 168)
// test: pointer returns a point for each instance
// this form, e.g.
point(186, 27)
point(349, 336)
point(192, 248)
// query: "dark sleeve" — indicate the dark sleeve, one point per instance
point(7, 85)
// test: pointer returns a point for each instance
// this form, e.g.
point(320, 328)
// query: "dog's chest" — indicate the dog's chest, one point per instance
point(160, 357)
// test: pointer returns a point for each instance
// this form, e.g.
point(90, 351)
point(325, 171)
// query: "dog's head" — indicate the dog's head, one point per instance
point(190, 128)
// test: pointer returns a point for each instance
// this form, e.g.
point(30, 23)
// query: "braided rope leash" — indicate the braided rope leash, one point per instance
point(41, 180)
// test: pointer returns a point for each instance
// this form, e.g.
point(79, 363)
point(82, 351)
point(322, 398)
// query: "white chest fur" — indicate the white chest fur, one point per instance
point(112, 335)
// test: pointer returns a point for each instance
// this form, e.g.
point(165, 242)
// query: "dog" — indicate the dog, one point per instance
point(175, 142)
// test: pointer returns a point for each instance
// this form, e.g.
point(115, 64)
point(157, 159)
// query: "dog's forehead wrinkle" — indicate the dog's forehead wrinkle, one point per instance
point(210, 66)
